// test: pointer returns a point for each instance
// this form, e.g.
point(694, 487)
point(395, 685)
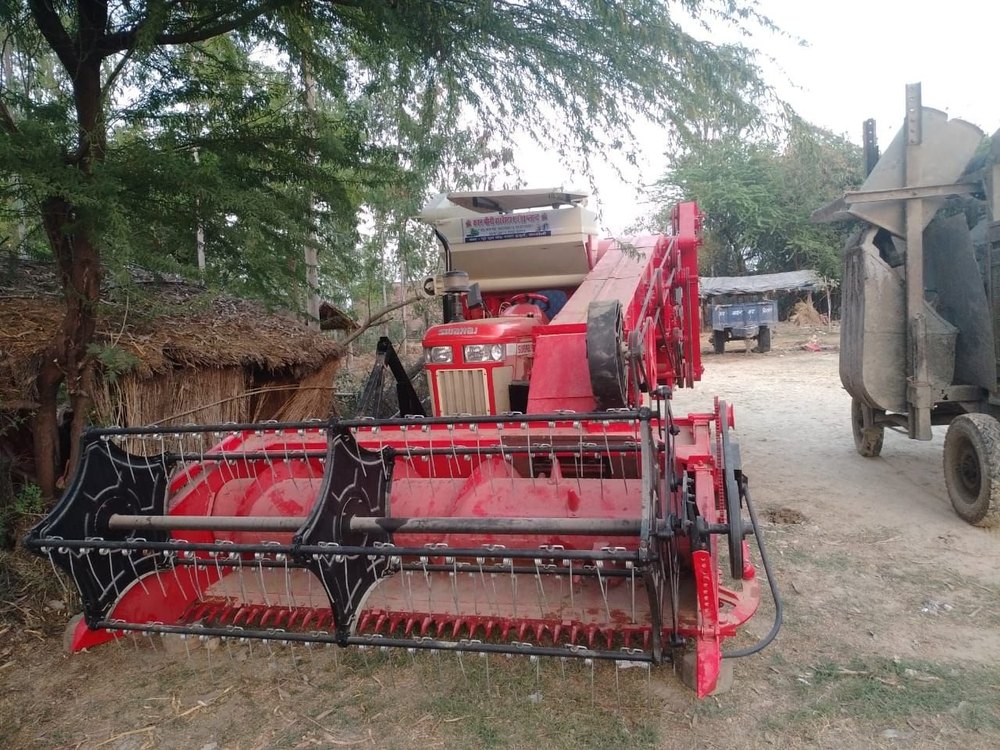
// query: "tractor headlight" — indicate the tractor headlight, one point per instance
point(440, 355)
point(483, 353)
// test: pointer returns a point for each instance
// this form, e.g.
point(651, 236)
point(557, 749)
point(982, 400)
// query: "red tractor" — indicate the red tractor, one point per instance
point(549, 505)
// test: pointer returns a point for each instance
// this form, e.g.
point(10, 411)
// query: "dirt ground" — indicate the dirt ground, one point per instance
point(891, 637)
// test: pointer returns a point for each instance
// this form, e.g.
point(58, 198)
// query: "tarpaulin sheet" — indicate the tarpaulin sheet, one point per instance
point(710, 286)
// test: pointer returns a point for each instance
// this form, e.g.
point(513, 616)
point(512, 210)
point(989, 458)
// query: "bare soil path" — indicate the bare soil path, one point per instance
point(892, 635)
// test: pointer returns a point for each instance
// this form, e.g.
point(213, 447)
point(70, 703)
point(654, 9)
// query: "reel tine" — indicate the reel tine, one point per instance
point(453, 575)
point(593, 694)
point(578, 458)
point(490, 464)
point(290, 647)
point(427, 579)
point(135, 572)
point(489, 688)
point(506, 458)
point(538, 674)
point(631, 569)
point(392, 666)
point(572, 602)
point(618, 687)
point(288, 582)
point(150, 640)
point(408, 588)
point(407, 457)
point(509, 561)
point(191, 569)
point(56, 573)
point(201, 447)
point(598, 565)
point(543, 603)
point(454, 455)
point(436, 659)
point(493, 583)
point(526, 426)
point(475, 589)
point(259, 559)
point(480, 561)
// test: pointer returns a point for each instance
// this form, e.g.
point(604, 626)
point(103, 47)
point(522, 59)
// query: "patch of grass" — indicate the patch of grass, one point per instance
point(522, 705)
point(19, 511)
point(885, 689)
point(26, 584)
point(811, 557)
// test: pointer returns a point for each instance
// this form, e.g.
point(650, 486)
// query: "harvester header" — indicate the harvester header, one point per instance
point(546, 501)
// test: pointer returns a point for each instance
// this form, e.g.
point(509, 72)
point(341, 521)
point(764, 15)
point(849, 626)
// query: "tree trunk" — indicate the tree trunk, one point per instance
point(67, 359)
point(46, 428)
point(311, 252)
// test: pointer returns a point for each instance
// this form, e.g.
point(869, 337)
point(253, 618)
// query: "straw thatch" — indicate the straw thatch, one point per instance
point(174, 352)
point(805, 314)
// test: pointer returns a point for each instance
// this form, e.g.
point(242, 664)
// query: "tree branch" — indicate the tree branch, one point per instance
point(376, 317)
point(208, 29)
point(55, 34)
point(109, 84)
point(92, 18)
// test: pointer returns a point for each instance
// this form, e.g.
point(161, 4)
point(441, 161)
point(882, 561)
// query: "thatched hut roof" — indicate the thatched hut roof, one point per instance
point(159, 324)
point(332, 318)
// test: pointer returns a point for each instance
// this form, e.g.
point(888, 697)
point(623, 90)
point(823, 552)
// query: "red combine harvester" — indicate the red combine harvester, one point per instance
point(550, 505)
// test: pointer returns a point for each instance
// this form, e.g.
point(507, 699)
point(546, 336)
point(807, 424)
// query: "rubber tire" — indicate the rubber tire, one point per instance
point(972, 468)
point(605, 358)
point(868, 442)
point(719, 341)
point(764, 340)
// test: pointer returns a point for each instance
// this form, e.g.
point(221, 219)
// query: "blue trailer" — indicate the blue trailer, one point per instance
point(745, 320)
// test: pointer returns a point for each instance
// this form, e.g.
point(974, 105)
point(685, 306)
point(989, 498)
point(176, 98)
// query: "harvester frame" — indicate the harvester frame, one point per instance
point(423, 532)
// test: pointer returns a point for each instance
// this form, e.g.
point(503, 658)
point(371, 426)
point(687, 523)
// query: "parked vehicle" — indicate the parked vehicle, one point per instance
point(551, 504)
point(921, 300)
point(746, 320)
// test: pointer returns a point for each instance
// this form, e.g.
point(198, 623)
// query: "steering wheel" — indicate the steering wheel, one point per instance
point(517, 299)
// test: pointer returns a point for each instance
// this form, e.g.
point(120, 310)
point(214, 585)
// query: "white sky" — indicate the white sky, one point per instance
point(859, 58)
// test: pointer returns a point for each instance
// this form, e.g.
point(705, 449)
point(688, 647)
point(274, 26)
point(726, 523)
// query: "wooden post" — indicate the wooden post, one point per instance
point(829, 308)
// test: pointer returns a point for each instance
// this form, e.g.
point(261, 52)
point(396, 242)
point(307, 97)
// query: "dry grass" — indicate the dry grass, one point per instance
point(131, 400)
point(805, 314)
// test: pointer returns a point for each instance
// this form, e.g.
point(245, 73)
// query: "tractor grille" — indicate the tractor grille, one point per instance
point(463, 392)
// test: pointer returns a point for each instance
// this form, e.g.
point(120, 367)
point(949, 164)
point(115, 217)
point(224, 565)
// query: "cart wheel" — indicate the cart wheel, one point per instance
point(719, 341)
point(972, 468)
point(868, 442)
point(764, 340)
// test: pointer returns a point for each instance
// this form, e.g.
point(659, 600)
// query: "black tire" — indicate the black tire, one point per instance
point(868, 442)
point(731, 493)
point(719, 341)
point(764, 340)
point(972, 468)
point(605, 358)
